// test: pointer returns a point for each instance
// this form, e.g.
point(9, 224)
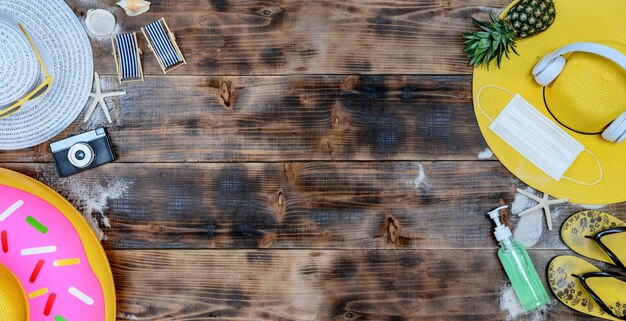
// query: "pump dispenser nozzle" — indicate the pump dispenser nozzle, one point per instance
point(495, 214)
point(502, 232)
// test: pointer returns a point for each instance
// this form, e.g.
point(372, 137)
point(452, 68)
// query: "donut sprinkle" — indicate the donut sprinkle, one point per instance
point(10, 210)
point(37, 293)
point(44, 251)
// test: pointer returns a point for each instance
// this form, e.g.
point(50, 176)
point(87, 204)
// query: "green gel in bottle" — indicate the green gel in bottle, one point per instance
point(518, 266)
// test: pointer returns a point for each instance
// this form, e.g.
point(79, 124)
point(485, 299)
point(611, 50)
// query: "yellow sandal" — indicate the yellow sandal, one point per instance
point(596, 235)
point(583, 287)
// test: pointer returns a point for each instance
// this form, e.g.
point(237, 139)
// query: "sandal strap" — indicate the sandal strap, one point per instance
point(598, 239)
point(583, 280)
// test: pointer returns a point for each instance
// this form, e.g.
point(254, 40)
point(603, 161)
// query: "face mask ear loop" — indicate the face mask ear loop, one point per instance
point(478, 98)
point(588, 184)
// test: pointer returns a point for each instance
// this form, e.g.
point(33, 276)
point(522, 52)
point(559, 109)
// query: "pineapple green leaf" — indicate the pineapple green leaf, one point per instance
point(496, 36)
point(480, 23)
point(494, 45)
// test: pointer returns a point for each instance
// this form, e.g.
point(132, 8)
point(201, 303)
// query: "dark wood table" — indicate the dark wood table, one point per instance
point(315, 160)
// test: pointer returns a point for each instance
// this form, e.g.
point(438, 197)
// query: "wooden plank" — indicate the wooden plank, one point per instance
point(321, 285)
point(238, 37)
point(242, 119)
point(363, 205)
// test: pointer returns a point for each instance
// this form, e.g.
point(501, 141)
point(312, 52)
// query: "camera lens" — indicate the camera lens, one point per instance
point(81, 155)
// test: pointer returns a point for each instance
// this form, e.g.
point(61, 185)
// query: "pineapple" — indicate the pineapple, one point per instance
point(497, 37)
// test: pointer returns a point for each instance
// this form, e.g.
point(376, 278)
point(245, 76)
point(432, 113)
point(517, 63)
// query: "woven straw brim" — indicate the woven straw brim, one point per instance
point(66, 43)
point(576, 21)
point(12, 297)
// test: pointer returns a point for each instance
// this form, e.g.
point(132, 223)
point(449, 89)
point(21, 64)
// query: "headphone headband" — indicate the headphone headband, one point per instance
point(595, 48)
point(550, 66)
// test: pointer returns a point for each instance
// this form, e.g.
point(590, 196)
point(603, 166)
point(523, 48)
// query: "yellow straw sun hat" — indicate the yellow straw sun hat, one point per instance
point(12, 297)
point(584, 99)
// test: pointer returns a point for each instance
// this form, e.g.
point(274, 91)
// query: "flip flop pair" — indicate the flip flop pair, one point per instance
point(579, 284)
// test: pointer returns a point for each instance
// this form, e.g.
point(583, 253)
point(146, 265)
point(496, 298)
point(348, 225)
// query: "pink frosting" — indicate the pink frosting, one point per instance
point(20, 235)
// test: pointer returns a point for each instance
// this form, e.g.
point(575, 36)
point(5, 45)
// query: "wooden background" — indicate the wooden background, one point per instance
point(315, 160)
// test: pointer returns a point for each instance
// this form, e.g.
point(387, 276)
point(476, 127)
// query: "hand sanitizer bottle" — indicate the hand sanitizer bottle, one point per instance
point(518, 266)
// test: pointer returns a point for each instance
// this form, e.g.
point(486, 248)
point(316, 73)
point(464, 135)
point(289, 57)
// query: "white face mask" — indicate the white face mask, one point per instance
point(537, 138)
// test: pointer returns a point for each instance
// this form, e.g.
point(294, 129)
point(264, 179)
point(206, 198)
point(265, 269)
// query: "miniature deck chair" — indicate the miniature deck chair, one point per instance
point(127, 60)
point(163, 44)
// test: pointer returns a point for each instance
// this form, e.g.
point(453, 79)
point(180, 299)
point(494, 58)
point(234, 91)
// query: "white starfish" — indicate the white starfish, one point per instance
point(98, 98)
point(543, 202)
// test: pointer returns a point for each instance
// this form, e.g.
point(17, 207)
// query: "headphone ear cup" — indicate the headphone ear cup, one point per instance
point(546, 71)
point(616, 132)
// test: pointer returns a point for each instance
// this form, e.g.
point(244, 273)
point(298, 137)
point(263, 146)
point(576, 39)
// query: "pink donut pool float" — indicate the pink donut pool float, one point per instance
point(53, 254)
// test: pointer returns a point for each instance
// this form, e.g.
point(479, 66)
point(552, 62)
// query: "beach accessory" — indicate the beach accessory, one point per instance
point(98, 99)
point(587, 96)
point(100, 22)
point(596, 235)
point(11, 291)
point(163, 43)
point(55, 261)
point(544, 203)
point(497, 37)
point(134, 7)
point(40, 87)
point(81, 152)
point(518, 266)
point(127, 57)
point(585, 288)
point(551, 65)
point(64, 47)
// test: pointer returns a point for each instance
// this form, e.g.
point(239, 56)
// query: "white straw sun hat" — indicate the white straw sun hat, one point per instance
point(66, 51)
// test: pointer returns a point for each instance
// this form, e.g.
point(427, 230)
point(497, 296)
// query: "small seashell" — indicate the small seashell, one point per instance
point(134, 7)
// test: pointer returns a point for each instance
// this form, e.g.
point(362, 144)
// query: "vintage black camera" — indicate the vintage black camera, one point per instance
point(81, 152)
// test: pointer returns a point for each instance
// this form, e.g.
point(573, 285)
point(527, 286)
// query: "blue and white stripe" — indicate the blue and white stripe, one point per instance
point(127, 50)
point(162, 44)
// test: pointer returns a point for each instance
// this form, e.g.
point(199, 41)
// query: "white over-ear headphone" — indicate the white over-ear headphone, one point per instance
point(551, 65)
